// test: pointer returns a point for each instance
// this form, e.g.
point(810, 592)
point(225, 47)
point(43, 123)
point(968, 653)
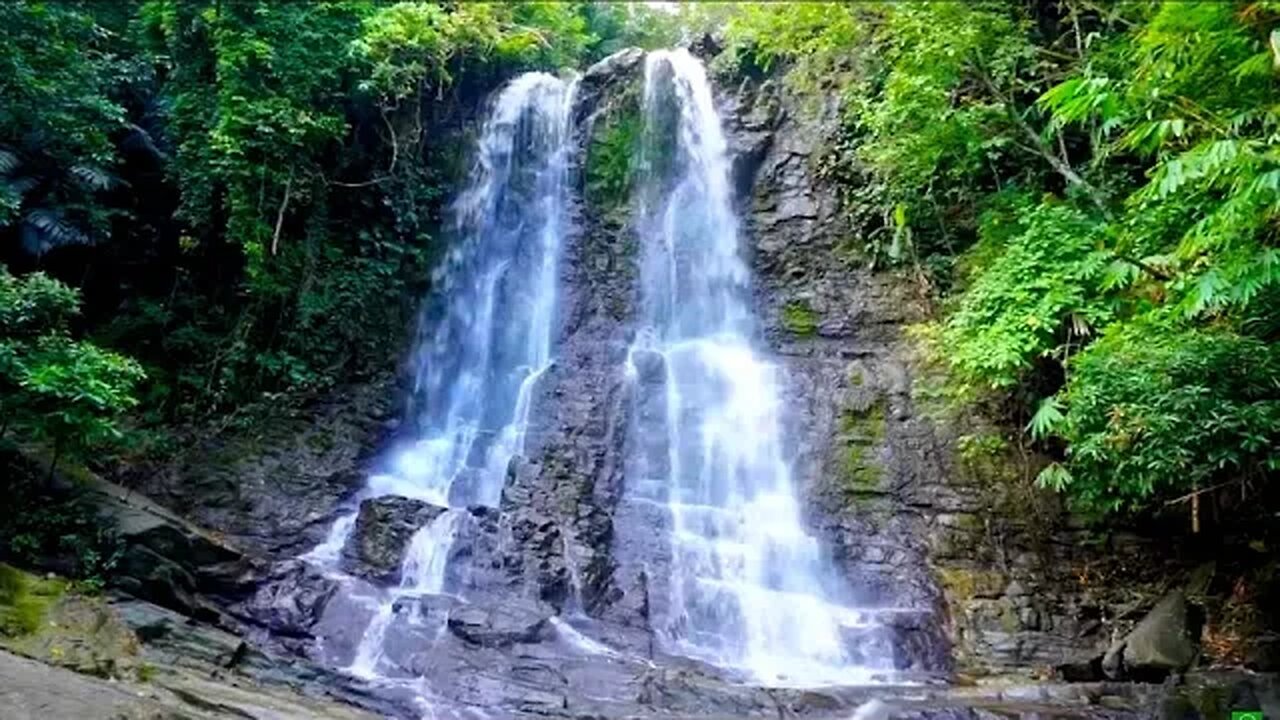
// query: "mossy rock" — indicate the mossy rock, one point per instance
point(866, 426)
point(610, 167)
point(799, 318)
point(42, 618)
point(963, 584)
point(25, 599)
point(1009, 621)
point(861, 474)
point(861, 433)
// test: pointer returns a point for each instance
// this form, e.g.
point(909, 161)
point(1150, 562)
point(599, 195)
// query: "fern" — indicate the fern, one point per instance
point(8, 161)
point(44, 230)
point(1047, 419)
point(94, 178)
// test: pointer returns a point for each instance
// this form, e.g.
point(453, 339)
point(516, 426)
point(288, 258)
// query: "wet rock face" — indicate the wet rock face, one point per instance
point(384, 526)
point(865, 462)
point(501, 625)
point(557, 503)
point(285, 599)
point(275, 491)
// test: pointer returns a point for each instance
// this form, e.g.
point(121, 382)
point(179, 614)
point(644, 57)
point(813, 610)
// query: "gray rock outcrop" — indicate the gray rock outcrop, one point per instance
point(383, 528)
point(1164, 641)
point(276, 491)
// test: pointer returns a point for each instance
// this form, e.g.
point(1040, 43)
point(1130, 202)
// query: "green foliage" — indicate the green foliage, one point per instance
point(1035, 295)
point(46, 525)
point(65, 392)
point(305, 163)
point(931, 152)
point(33, 305)
point(72, 393)
point(1047, 419)
point(610, 172)
point(1158, 410)
point(58, 70)
point(65, 396)
point(1093, 190)
point(619, 25)
point(813, 36)
point(409, 46)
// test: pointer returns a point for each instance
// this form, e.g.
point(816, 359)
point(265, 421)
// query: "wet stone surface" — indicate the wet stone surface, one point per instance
point(383, 528)
point(549, 600)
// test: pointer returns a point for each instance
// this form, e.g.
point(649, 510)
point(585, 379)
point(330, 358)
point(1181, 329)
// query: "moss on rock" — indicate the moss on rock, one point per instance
point(610, 166)
point(963, 584)
point(799, 318)
point(25, 600)
point(861, 433)
point(43, 619)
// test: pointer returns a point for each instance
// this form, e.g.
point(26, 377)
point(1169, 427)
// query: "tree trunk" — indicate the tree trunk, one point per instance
point(53, 463)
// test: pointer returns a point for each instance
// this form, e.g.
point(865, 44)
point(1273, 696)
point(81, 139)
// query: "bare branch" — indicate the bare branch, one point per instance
point(395, 156)
point(284, 204)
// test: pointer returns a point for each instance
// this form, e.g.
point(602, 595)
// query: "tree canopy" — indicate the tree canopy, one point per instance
point(1092, 190)
point(244, 197)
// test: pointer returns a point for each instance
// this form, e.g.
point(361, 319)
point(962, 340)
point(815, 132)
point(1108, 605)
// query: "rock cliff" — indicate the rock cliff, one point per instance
point(973, 572)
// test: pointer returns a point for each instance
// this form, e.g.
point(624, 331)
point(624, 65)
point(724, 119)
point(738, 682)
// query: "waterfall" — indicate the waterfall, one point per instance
point(749, 588)
point(479, 362)
point(480, 353)
point(742, 583)
point(421, 573)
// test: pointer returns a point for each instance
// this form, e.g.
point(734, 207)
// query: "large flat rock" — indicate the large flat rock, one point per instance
point(30, 690)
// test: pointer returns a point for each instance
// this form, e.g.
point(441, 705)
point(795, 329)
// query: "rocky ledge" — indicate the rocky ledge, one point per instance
point(380, 538)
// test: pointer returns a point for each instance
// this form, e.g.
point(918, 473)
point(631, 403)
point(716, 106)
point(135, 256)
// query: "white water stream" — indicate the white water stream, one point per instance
point(749, 586)
point(478, 365)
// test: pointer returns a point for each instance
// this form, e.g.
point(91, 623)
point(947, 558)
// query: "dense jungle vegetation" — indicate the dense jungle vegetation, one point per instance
point(212, 205)
point(206, 204)
point(1091, 193)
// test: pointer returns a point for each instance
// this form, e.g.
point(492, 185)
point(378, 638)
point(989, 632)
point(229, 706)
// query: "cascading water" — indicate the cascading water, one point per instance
point(747, 588)
point(477, 367)
point(748, 585)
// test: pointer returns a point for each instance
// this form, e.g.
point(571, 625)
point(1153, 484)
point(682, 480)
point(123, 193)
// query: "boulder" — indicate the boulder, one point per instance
point(1164, 641)
point(623, 62)
point(285, 598)
point(501, 625)
point(164, 558)
point(381, 535)
point(274, 487)
point(650, 366)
